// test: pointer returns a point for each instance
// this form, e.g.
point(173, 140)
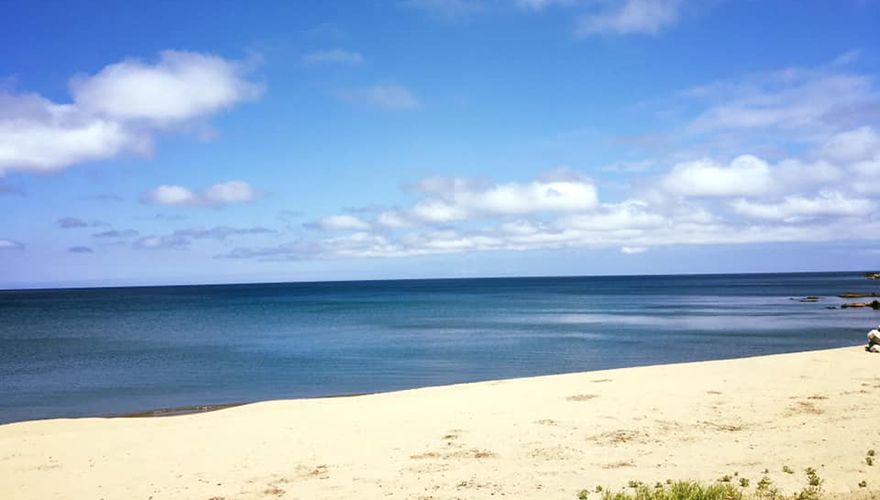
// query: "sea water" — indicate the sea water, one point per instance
point(109, 351)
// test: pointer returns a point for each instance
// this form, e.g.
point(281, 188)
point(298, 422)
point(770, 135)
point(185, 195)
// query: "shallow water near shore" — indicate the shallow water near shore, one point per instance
point(86, 352)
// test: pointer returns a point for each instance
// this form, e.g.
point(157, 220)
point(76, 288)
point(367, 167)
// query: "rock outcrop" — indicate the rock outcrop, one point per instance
point(856, 295)
point(874, 304)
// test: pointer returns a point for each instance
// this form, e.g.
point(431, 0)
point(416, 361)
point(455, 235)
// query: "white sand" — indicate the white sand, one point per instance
point(545, 437)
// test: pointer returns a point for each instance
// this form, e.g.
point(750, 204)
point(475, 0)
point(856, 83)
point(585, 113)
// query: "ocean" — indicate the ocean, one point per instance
point(114, 351)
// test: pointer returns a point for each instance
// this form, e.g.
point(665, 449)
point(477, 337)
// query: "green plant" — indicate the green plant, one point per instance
point(680, 490)
point(814, 490)
point(863, 484)
point(583, 495)
point(812, 477)
point(598, 489)
point(786, 469)
point(870, 453)
point(743, 482)
point(725, 478)
point(869, 460)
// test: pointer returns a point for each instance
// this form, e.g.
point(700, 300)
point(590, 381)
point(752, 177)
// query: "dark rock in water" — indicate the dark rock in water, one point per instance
point(872, 276)
point(856, 295)
point(874, 304)
point(830, 307)
point(811, 298)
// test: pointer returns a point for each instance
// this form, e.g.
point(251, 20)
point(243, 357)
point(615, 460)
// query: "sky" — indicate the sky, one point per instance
point(165, 142)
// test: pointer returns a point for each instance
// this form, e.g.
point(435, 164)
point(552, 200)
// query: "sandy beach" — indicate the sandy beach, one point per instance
point(543, 437)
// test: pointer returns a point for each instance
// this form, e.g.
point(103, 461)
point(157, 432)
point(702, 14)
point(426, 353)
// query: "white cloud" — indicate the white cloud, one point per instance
point(178, 87)
point(230, 192)
point(39, 136)
point(334, 56)
point(628, 215)
point(455, 199)
point(631, 17)
point(339, 222)
point(747, 175)
point(393, 219)
point(382, 95)
point(117, 110)
point(217, 195)
point(170, 194)
point(439, 211)
point(6, 244)
point(851, 146)
point(794, 207)
point(154, 242)
point(633, 250)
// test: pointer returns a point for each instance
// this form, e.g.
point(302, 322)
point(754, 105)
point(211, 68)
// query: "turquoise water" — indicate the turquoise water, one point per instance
point(111, 351)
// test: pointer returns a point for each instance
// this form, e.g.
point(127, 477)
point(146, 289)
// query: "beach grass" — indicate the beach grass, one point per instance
point(723, 489)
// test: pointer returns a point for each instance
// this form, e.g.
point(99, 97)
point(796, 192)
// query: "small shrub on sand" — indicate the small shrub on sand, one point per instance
point(682, 490)
point(720, 490)
point(863, 484)
point(786, 469)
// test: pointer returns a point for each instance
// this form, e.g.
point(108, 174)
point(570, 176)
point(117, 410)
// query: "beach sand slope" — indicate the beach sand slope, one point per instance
point(543, 437)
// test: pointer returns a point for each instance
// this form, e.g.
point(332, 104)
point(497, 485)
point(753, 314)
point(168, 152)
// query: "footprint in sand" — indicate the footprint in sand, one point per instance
point(582, 397)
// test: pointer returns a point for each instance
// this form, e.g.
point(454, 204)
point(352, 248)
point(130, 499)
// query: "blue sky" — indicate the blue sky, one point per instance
point(229, 141)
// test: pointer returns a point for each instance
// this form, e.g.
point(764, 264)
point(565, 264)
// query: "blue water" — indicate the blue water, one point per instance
point(111, 351)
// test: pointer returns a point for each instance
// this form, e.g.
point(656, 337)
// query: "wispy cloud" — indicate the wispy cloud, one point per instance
point(389, 96)
point(182, 239)
point(7, 244)
point(117, 111)
point(338, 222)
point(788, 100)
point(217, 195)
point(116, 234)
point(219, 232)
point(154, 242)
point(73, 223)
point(333, 56)
point(630, 17)
point(80, 250)
point(449, 9)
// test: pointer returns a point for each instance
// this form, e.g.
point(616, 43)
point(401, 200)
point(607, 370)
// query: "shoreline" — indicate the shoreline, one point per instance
point(537, 437)
point(174, 411)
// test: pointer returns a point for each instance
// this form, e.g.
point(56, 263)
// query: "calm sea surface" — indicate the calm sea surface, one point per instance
point(109, 351)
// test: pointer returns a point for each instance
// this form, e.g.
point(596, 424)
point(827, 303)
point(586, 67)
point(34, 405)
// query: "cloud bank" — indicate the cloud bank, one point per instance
point(746, 200)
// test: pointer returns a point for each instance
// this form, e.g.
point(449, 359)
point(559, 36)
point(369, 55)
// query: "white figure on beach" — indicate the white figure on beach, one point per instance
point(874, 340)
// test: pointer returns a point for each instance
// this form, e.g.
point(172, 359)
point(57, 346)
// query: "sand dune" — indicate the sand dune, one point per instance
point(544, 437)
